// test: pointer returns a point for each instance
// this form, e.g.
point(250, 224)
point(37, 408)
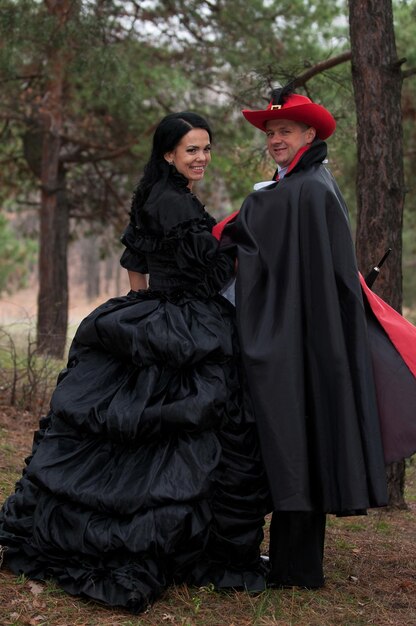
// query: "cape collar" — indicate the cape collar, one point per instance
point(305, 157)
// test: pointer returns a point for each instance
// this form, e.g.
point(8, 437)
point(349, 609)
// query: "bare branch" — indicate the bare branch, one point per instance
point(108, 185)
point(5, 128)
point(23, 77)
point(410, 72)
point(107, 152)
point(106, 156)
point(15, 117)
point(320, 67)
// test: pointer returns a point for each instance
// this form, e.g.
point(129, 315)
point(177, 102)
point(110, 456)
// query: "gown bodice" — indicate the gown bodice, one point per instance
point(171, 241)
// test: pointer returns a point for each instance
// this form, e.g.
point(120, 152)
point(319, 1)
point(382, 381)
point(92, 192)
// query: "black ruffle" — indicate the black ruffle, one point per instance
point(185, 259)
point(172, 213)
point(133, 258)
point(147, 470)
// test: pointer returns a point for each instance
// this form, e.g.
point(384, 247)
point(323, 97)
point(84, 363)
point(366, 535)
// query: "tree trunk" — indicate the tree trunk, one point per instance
point(53, 270)
point(92, 267)
point(377, 83)
point(54, 219)
point(395, 481)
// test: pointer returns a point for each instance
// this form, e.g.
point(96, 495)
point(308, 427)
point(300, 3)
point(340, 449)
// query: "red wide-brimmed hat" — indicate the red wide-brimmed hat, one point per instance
point(298, 109)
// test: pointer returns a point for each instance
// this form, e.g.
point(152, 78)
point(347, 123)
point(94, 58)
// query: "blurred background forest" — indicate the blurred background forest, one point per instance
point(99, 75)
point(84, 84)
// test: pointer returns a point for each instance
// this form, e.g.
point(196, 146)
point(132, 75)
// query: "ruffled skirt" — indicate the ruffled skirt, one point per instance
point(147, 470)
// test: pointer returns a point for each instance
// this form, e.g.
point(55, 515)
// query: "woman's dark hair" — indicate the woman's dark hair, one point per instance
point(167, 135)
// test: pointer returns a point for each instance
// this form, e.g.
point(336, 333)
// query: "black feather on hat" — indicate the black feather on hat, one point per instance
point(280, 94)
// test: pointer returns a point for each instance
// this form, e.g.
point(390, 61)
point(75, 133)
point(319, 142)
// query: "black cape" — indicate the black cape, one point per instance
point(304, 344)
point(393, 351)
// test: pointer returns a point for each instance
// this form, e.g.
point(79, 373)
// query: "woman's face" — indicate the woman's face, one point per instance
point(192, 155)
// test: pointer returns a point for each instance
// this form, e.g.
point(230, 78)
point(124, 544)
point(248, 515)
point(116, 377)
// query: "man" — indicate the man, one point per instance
point(304, 342)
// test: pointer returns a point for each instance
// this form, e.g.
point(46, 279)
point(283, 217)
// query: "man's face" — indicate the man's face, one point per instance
point(285, 138)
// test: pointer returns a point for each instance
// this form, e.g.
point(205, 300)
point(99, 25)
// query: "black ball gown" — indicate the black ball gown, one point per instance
point(147, 471)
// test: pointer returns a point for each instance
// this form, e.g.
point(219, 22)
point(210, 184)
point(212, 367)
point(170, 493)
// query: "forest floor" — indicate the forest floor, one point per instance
point(370, 566)
point(370, 561)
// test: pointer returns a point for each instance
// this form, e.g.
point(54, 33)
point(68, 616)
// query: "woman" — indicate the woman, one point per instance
point(146, 471)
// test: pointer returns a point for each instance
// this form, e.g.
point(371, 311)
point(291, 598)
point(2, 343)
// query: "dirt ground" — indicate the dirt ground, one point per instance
point(370, 565)
point(370, 561)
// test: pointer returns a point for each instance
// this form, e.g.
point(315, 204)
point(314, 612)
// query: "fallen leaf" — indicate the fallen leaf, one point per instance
point(407, 585)
point(39, 604)
point(35, 588)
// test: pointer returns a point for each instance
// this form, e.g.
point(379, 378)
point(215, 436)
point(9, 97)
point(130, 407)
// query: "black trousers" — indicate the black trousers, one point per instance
point(297, 549)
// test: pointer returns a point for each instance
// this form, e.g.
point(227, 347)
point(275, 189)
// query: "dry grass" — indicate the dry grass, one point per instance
point(370, 565)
